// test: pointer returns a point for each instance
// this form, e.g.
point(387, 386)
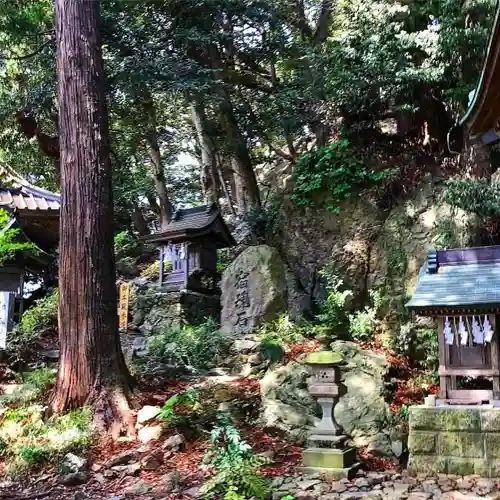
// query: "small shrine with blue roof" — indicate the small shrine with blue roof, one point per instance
point(461, 288)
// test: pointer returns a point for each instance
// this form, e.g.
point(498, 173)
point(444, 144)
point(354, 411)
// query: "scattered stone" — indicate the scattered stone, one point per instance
point(244, 345)
point(175, 442)
point(152, 462)
point(308, 484)
point(95, 467)
point(73, 478)
point(147, 434)
point(339, 487)
point(147, 413)
point(73, 463)
point(138, 488)
point(464, 483)
point(121, 459)
point(51, 356)
point(6, 484)
point(192, 492)
point(361, 482)
point(99, 478)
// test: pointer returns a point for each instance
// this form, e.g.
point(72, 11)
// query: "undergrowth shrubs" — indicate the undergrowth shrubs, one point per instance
point(337, 316)
point(200, 347)
point(236, 468)
point(36, 321)
point(276, 335)
point(196, 410)
point(29, 441)
point(32, 387)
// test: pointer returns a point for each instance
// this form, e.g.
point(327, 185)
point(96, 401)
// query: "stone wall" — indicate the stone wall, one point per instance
point(152, 312)
point(459, 441)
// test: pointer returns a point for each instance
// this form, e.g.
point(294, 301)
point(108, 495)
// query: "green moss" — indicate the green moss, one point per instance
point(492, 445)
point(428, 464)
point(422, 443)
point(460, 466)
point(490, 420)
point(444, 419)
point(462, 444)
point(324, 358)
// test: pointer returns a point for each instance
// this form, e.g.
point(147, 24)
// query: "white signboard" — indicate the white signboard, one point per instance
point(4, 317)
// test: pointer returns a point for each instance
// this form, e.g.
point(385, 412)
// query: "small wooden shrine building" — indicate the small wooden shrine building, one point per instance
point(34, 213)
point(461, 288)
point(190, 243)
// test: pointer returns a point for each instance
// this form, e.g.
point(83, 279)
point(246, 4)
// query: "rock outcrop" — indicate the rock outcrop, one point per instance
point(362, 412)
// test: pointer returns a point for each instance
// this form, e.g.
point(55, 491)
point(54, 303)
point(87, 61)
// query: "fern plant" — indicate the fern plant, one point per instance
point(237, 469)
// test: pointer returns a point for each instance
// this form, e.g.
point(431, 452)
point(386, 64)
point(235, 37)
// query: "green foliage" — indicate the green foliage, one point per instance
point(188, 399)
point(473, 196)
point(29, 441)
point(127, 244)
point(447, 233)
point(276, 335)
point(362, 324)
point(200, 347)
point(9, 246)
point(333, 169)
point(40, 317)
point(196, 410)
point(236, 467)
point(333, 312)
point(224, 258)
point(33, 387)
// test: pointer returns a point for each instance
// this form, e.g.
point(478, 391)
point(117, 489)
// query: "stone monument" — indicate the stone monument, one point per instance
point(327, 452)
point(254, 290)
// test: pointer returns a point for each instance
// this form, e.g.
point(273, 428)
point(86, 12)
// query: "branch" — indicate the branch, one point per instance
point(27, 56)
point(324, 21)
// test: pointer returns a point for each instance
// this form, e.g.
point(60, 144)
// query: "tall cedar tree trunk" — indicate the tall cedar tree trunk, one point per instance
point(92, 369)
point(151, 136)
point(246, 188)
point(209, 181)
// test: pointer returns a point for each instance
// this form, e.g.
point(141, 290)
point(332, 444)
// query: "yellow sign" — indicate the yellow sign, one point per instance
point(123, 307)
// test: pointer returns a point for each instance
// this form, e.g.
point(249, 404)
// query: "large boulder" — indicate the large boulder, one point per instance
point(362, 412)
point(286, 402)
point(254, 289)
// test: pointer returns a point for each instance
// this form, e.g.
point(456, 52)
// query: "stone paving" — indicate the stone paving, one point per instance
point(388, 485)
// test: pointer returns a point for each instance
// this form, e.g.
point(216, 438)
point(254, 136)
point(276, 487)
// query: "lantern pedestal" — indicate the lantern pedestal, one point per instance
point(327, 452)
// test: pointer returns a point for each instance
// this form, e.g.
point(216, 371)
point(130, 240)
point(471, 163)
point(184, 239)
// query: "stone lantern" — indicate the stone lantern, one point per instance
point(327, 452)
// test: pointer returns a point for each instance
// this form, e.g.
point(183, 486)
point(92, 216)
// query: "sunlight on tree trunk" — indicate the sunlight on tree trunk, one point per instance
point(92, 369)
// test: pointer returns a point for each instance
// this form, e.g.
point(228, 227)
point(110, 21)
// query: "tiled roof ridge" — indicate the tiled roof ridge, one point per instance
point(21, 194)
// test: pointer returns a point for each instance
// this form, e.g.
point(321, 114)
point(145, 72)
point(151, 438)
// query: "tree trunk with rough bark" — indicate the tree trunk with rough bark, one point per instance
point(246, 188)
point(151, 136)
point(209, 181)
point(92, 369)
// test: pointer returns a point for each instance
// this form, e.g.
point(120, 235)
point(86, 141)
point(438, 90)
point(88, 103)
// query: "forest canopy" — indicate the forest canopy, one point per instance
point(237, 87)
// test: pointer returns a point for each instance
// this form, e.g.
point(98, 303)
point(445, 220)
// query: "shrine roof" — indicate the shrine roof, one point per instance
point(482, 117)
point(18, 194)
point(190, 223)
point(458, 279)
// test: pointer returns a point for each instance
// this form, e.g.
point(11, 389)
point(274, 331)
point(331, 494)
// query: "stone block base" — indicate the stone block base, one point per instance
point(455, 440)
point(332, 474)
point(329, 458)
